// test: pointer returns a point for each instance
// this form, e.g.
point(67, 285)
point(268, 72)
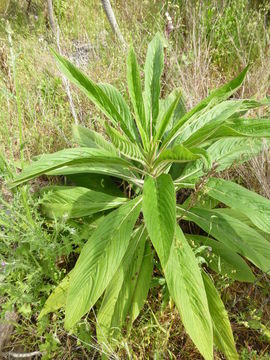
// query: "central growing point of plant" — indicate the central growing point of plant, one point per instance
point(143, 165)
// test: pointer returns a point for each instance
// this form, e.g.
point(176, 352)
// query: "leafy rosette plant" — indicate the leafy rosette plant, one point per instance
point(130, 181)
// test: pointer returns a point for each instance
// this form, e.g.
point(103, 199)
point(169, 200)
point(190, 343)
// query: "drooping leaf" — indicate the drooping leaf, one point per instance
point(135, 93)
point(96, 182)
point(68, 157)
point(235, 234)
point(186, 287)
point(99, 260)
point(75, 201)
point(223, 260)
point(126, 147)
point(127, 290)
point(98, 94)
point(153, 70)
point(89, 138)
point(254, 206)
point(223, 336)
point(99, 168)
point(159, 212)
point(243, 218)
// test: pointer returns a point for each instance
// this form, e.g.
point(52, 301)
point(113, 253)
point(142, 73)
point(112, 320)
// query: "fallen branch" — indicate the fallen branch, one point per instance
point(22, 355)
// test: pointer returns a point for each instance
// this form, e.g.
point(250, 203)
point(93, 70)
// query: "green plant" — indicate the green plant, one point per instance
point(157, 154)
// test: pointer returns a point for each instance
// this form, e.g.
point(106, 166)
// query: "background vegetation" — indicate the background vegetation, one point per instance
point(210, 43)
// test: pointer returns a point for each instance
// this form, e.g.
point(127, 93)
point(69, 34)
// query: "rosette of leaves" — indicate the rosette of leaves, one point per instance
point(157, 149)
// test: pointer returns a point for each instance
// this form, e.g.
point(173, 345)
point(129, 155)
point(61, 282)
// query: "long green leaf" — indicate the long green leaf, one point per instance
point(135, 92)
point(152, 72)
point(181, 154)
point(224, 153)
point(254, 206)
point(216, 96)
point(89, 138)
point(98, 168)
point(99, 260)
point(98, 95)
point(159, 202)
point(96, 182)
point(193, 129)
point(186, 287)
point(75, 202)
point(167, 117)
point(223, 336)
point(235, 234)
point(223, 260)
point(126, 147)
point(164, 105)
point(256, 128)
point(68, 157)
point(118, 101)
point(58, 297)
point(127, 290)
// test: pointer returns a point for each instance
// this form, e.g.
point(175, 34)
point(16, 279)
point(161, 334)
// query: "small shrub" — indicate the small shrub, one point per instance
point(160, 169)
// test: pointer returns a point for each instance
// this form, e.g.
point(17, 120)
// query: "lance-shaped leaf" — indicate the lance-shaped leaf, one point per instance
point(126, 147)
point(186, 287)
point(254, 206)
point(99, 260)
point(193, 130)
point(97, 182)
point(98, 94)
point(235, 234)
point(89, 138)
point(153, 70)
point(181, 154)
point(225, 153)
point(96, 168)
point(256, 128)
point(75, 201)
point(118, 101)
point(203, 127)
point(164, 105)
point(68, 157)
point(127, 291)
point(223, 260)
point(216, 96)
point(223, 336)
point(135, 93)
point(58, 297)
point(159, 202)
point(167, 117)
point(242, 217)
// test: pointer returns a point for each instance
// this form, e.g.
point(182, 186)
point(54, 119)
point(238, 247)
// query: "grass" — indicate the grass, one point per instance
point(210, 43)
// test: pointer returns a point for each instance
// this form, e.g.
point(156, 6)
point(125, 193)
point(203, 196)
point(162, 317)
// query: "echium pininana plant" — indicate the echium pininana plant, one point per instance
point(158, 149)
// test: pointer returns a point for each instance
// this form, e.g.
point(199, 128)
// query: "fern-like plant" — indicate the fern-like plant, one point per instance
point(158, 150)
